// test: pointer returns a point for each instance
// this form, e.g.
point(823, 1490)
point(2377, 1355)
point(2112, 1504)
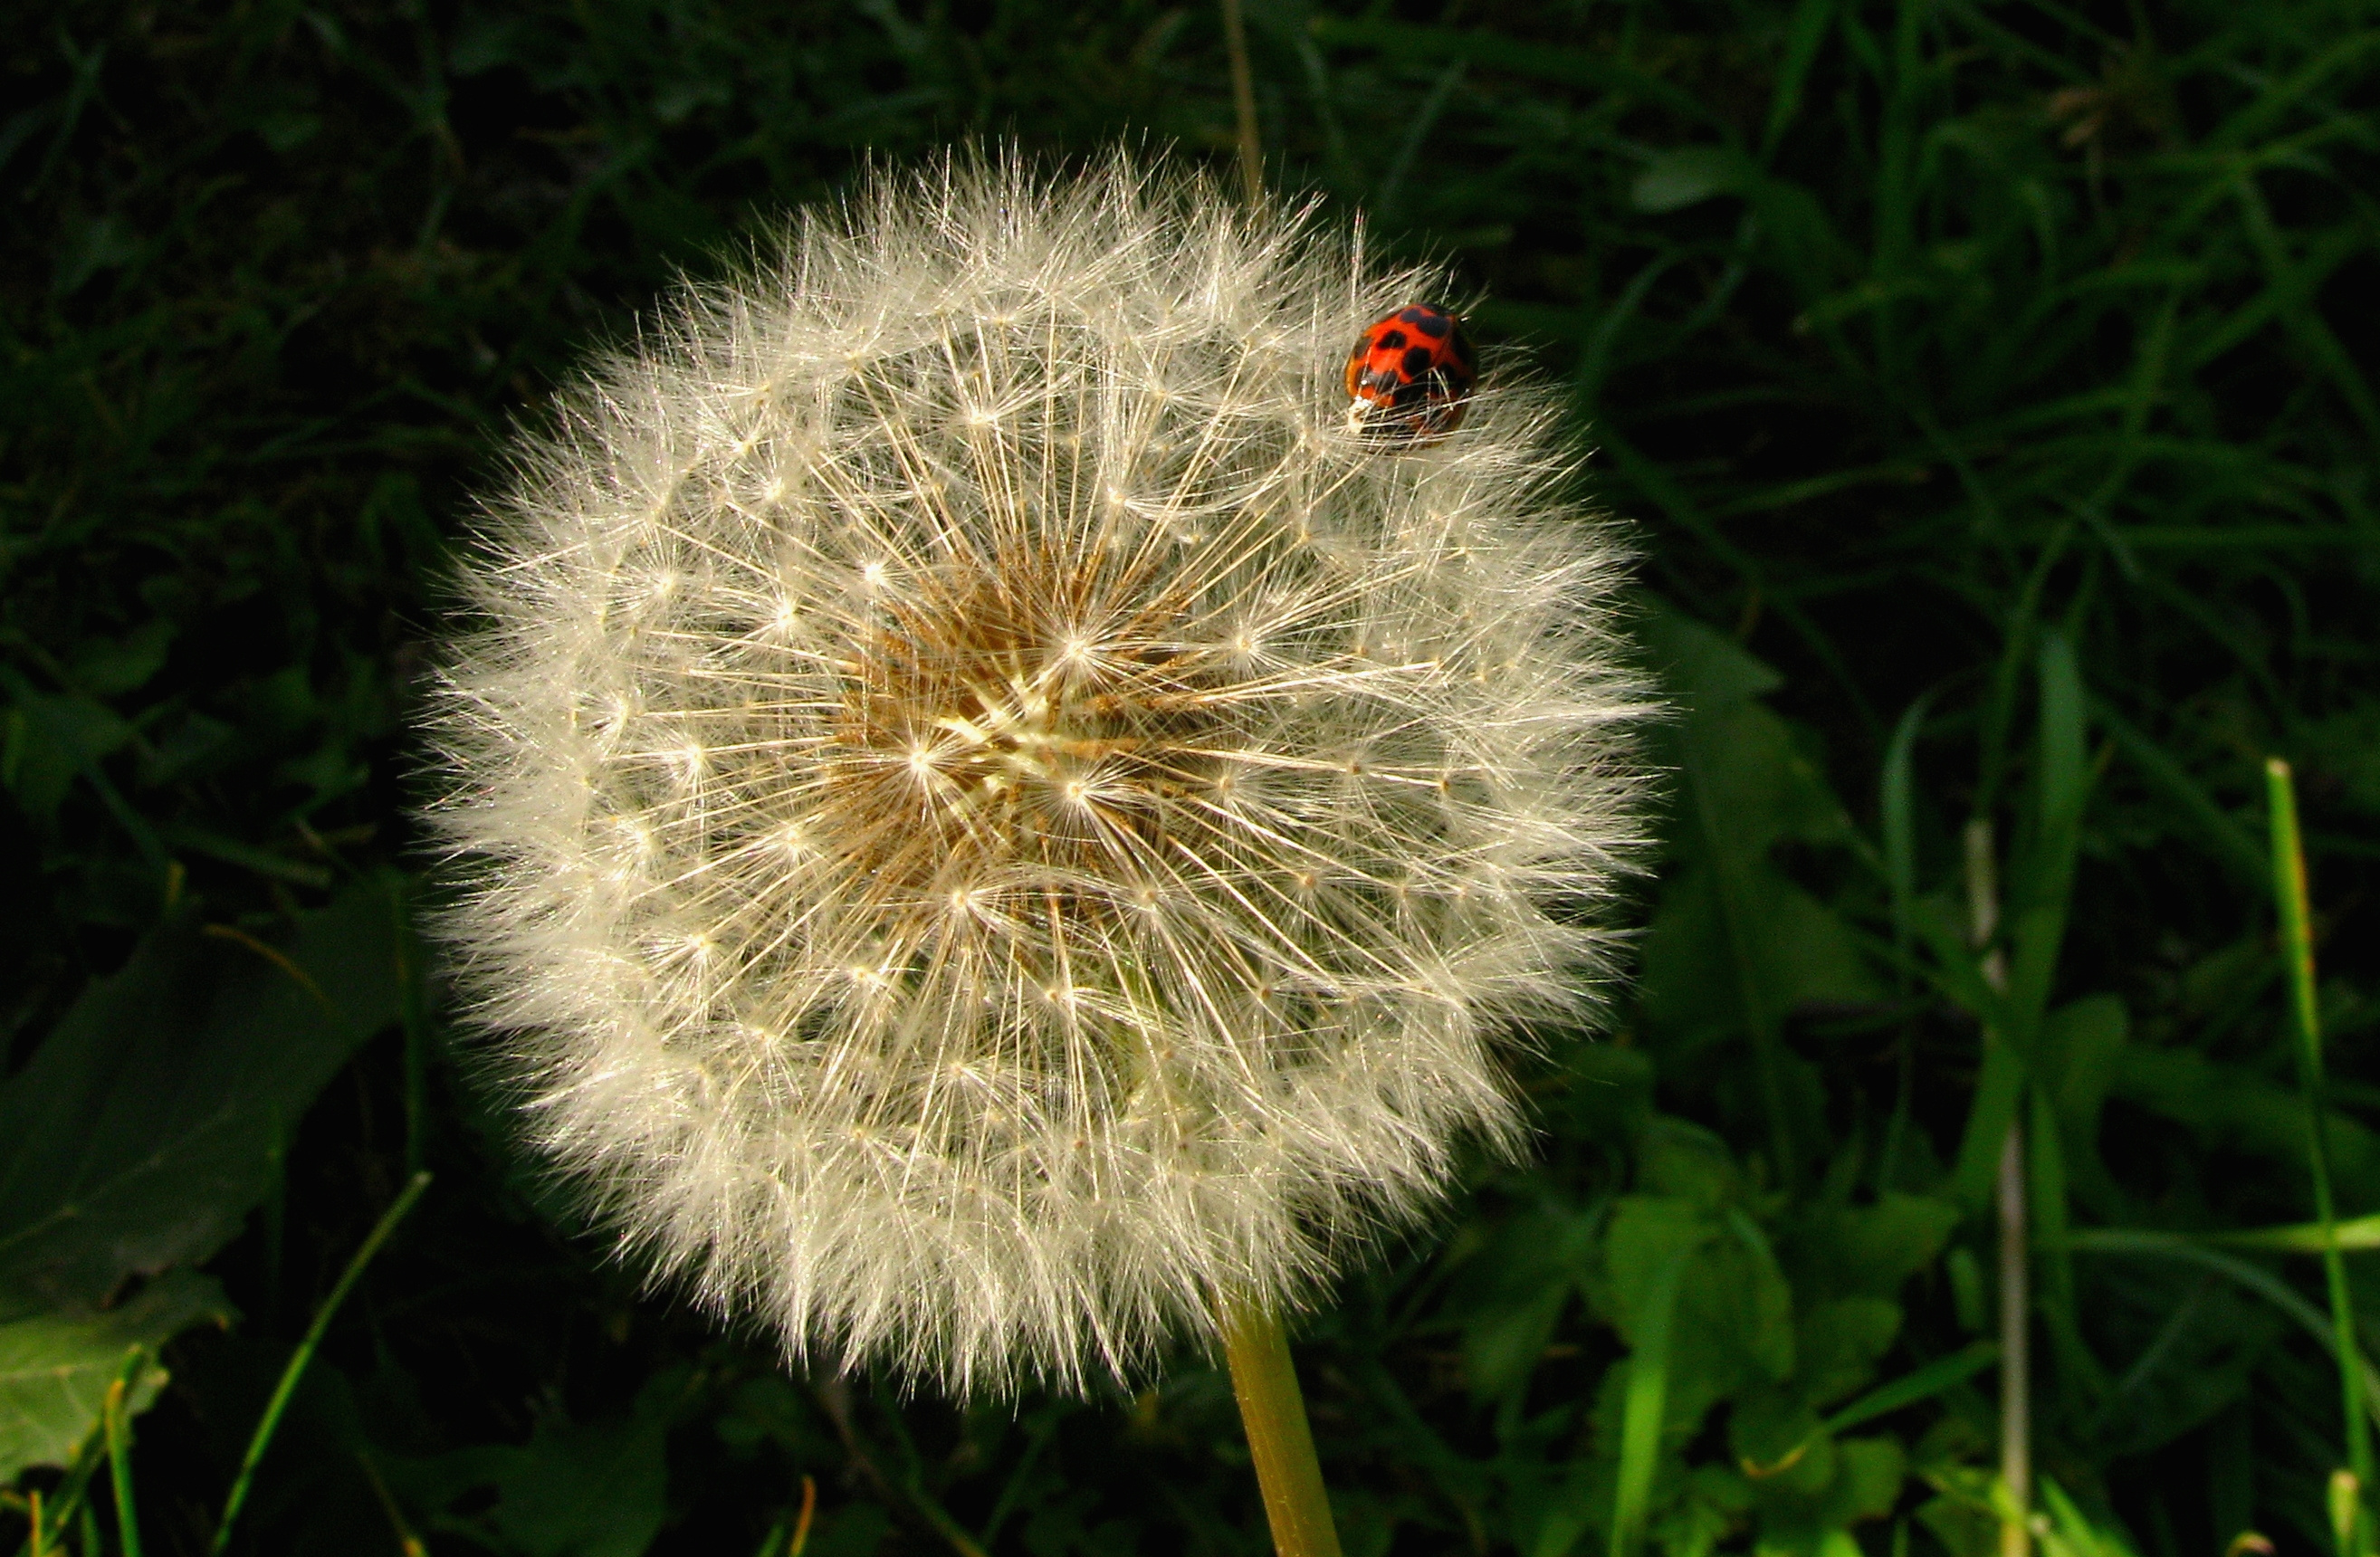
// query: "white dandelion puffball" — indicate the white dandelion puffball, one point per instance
point(996, 822)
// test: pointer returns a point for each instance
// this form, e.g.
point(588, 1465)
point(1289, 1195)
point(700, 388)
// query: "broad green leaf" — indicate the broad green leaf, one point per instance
point(1837, 1346)
point(1756, 785)
point(2240, 1107)
point(144, 1129)
point(1716, 1499)
point(1961, 1517)
point(1800, 954)
point(1677, 1157)
point(1808, 1504)
point(1645, 1234)
point(1733, 1326)
point(1659, 1246)
point(1706, 669)
point(1869, 1251)
point(56, 1368)
point(1513, 1291)
point(573, 1490)
point(49, 740)
point(1924, 1383)
point(1780, 1444)
point(124, 665)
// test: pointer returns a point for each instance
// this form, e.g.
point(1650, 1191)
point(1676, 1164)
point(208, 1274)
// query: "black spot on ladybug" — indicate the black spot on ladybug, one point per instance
point(1416, 362)
point(1391, 340)
point(1428, 320)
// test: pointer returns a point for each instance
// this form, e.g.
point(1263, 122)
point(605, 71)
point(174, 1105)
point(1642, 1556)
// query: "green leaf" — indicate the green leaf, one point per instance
point(1733, 1324)
point(56, 1368)
point(1690, 175)
point(1706, 669)
point(1869, 1251)
point(573, 1490)
point(1677, 1157)
point(144, 1129)
point(1799, 953)
point(1660, 1245)
point(2239, 1107)
point(1838, 1344)
point(50, 740)
point(2068, 1532)
point(124, 664)
point(1646, 1234)
point(1513, 1292)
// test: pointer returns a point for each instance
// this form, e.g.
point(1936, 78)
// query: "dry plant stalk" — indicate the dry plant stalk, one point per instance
point(996, 824)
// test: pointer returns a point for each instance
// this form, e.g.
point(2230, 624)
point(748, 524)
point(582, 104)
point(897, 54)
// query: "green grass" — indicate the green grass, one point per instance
point(1991, 383)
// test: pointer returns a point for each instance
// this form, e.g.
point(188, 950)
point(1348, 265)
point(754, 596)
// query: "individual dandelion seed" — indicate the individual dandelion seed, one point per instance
point(997, 825)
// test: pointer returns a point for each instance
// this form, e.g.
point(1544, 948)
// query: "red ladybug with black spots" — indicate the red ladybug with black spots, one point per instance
point(1409, 378)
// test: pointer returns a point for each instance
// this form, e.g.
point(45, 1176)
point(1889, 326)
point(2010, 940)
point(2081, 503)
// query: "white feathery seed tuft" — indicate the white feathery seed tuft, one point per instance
point(994, 822)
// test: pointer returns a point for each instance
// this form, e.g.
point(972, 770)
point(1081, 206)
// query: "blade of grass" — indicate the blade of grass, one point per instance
point(119, 1450)
point(2255, 1278)
point(2296, 947)
point(295, 1372)
point(2297, 1237)
point(1923, 1383)
point(1803, 35)
point(1897, 808)
point(45, 1524)
point(2232, 843)
point(1645, 1406)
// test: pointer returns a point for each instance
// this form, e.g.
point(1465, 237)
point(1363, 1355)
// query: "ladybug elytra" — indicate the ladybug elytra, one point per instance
point(1409, 378)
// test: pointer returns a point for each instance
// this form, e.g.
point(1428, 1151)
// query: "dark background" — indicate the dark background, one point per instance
point(1995, 371)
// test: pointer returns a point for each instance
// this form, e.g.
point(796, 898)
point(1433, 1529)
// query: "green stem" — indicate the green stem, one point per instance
point(291, 1375)
point(1244, 102)
point(1279, 1440)
point(119, 1450)
point(1645, 1409)
point(2296, 947)
point(2008, 1181)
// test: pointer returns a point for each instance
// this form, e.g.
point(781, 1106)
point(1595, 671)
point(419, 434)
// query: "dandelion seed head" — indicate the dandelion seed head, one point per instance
point(993, 820)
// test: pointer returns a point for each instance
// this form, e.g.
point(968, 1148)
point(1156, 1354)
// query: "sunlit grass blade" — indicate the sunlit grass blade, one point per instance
point(295, 1372)
point(1644, 1406)
point(119, 1450)
point(2296, 948)
point(1923, 1383)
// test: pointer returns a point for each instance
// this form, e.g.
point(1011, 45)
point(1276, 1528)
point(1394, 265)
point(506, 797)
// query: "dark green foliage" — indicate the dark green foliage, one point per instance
point(1991, 382)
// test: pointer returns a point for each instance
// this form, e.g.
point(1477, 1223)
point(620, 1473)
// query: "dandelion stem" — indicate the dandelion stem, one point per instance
point(2016, 1285)
point(2297, 946)
point(1273, 1411)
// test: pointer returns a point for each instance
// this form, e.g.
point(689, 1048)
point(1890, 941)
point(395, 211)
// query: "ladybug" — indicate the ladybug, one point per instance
point(1409, 378)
